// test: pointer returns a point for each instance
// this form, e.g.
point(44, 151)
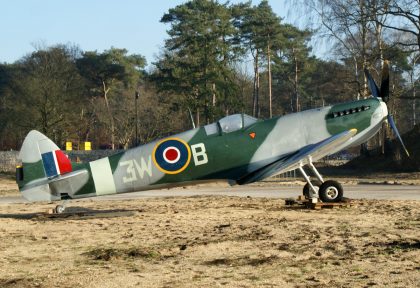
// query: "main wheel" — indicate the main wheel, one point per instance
point(306, 188)
point(60, 209)
point(331, 191)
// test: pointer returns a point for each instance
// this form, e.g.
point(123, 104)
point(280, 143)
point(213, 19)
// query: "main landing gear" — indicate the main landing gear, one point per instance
point(328, 191)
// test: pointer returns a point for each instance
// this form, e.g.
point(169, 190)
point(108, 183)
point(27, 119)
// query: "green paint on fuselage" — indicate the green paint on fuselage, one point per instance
point(89, 187)
point(114, 160)
point(359, 120)
point(229, 154)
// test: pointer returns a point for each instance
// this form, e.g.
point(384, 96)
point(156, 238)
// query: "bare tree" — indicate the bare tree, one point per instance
point(405, 16)
point(414, 80)
point(356, 29)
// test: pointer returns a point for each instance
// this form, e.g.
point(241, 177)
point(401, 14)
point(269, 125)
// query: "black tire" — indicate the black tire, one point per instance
point(306, 188)
point(331, 191)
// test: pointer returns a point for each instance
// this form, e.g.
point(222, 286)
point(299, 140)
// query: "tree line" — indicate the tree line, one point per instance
point(218, 59)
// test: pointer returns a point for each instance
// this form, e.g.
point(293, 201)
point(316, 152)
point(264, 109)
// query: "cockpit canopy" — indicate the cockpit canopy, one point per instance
point(229, 124)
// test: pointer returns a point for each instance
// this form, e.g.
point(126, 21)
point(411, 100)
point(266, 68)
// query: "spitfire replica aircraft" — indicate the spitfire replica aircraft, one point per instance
point(237, 148)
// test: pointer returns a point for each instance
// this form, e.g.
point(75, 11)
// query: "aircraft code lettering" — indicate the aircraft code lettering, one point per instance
point(199, 154)
point(136, 170)
point(133, 166)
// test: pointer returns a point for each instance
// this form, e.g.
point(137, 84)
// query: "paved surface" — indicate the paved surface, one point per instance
point(389, 192)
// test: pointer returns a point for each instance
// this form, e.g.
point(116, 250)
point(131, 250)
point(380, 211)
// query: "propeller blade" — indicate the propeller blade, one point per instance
point(372, 85)
point(394, 128)
point(385, 82)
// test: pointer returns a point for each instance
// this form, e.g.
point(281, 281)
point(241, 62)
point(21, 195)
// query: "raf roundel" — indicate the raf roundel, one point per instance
point(172, 155)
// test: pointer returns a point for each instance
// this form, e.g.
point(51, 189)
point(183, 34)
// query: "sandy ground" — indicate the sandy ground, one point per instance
point(211, 241)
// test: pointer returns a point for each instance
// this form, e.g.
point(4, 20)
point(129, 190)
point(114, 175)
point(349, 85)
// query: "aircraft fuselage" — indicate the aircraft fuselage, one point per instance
point(226, 150)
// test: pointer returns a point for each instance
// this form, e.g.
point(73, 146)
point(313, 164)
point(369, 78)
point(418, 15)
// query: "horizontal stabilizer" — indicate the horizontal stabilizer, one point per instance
point(52, 189)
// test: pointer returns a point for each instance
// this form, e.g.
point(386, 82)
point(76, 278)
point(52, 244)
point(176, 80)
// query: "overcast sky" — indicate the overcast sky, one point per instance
point(91, 24)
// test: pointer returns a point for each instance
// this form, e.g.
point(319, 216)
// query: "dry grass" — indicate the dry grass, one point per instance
point(214, 241)
point(211, 242)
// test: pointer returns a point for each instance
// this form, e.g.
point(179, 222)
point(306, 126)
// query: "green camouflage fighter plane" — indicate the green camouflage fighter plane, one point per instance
point(237, 148)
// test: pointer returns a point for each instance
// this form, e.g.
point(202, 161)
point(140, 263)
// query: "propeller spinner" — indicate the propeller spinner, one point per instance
point(383, 93)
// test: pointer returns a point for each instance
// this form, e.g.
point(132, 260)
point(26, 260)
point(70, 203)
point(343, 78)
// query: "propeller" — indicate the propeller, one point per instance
point(385, 82)
point(394, 128)
point(383, 93)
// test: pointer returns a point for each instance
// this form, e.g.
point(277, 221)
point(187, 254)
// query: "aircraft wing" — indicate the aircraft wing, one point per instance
point(301, 157)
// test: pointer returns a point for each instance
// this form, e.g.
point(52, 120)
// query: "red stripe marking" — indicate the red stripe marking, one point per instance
point(63, 162)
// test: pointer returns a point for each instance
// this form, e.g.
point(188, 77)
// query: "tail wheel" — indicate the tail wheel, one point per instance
point(307, 188)
point(60, 209)
point(331, 191)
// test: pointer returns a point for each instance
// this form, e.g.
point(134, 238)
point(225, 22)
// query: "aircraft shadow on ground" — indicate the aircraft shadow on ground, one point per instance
point(74, 213)
point(402, 245)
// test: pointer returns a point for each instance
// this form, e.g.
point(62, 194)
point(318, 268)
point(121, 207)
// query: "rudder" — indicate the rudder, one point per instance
point(41, 158)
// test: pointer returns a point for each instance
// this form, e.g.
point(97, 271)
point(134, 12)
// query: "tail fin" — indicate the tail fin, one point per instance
point(41, 158)
point(40, 178)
